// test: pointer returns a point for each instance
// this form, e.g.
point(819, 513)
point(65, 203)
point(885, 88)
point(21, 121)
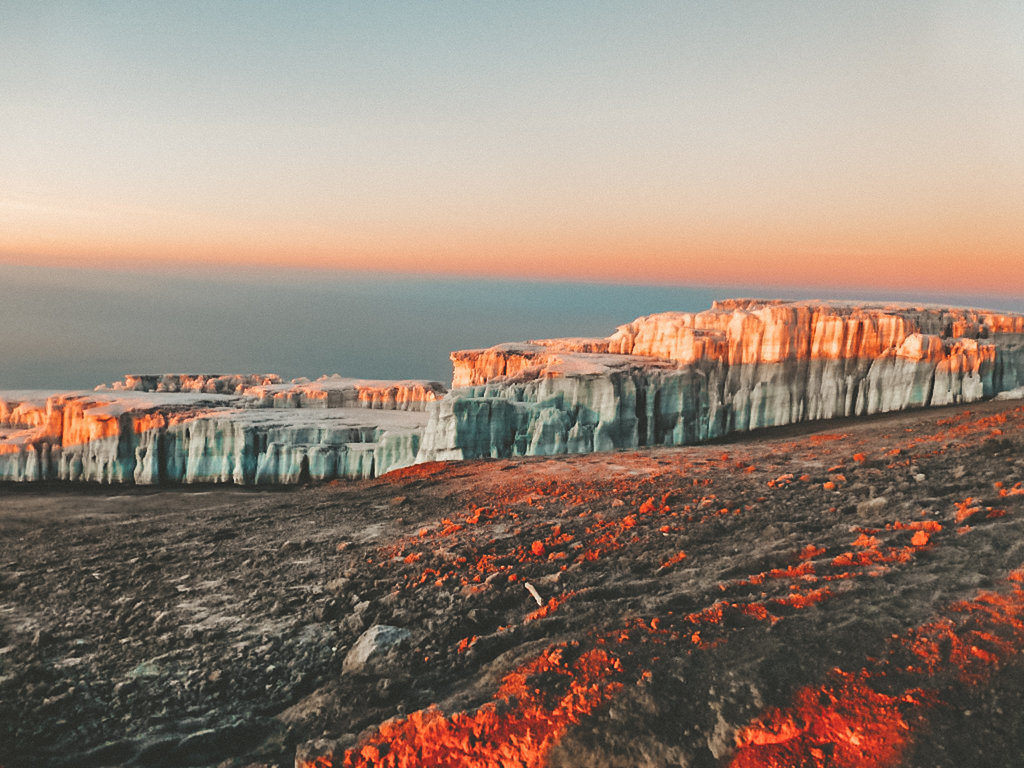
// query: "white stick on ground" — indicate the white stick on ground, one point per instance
point(533, 591)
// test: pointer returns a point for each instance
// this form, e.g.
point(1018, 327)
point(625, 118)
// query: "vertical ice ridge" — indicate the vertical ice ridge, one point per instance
point(744, 364)
point(668, 379)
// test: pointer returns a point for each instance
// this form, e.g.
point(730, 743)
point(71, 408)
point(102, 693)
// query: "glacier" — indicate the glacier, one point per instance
point(673, 378)
point(174, 428)
point(676, 378)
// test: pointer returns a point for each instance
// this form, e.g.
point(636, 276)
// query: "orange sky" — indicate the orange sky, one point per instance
point(936, 255)
point(841, 145)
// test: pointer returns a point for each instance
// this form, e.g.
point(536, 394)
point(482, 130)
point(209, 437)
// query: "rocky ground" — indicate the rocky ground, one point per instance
point(845, 594)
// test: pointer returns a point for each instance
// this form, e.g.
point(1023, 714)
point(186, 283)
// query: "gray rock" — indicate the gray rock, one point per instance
point(110, 753)
point(163, 621)
point(339, 586)
point(210, 744)
point(145, 669)
point(372, 645)
point(354, 622)
point(154, 751)
point(872, 506)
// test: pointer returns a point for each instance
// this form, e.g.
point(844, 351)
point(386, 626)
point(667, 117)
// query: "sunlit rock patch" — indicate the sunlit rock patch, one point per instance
point(829, 621)
point(869, 717)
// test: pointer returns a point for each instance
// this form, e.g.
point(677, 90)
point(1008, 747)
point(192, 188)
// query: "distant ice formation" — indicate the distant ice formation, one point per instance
point(676, 378)
point(667, 379)
point(175, 428)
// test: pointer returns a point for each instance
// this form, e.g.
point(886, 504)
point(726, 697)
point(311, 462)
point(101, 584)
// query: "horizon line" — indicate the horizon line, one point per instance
point(281, 268)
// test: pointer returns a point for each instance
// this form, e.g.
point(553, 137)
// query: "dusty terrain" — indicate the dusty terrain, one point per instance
point(841, 594)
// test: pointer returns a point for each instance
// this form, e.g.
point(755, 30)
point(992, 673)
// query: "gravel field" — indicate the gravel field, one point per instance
point(844, 593)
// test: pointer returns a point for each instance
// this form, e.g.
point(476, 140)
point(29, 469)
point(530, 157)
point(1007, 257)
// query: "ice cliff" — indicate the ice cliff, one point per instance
point(202, 428)
point(338, 392)
point(675, 378)
point(210, 383)
point(667, 379)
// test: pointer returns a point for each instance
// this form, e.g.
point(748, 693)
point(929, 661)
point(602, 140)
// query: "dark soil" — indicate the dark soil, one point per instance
point(722, 588)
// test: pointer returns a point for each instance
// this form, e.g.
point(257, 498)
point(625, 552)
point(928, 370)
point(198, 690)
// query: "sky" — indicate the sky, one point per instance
point(860, 145)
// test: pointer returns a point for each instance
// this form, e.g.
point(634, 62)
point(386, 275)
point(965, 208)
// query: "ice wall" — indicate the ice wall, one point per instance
point(266, 390)
point(146, 437)
point(677, 378)
point(210, 383)
point(667, 379)
point(337, 392)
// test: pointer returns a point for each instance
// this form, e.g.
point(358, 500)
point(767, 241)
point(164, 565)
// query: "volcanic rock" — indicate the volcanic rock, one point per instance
point(372, 645)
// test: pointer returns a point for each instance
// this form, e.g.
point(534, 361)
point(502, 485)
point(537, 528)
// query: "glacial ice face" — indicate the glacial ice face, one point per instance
point(337, 392)
point(571, 406)
point(668, 379)
point(676, 378)
point(210, 383)
point(633, 403)
point(268, 391)
point(123, 435)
